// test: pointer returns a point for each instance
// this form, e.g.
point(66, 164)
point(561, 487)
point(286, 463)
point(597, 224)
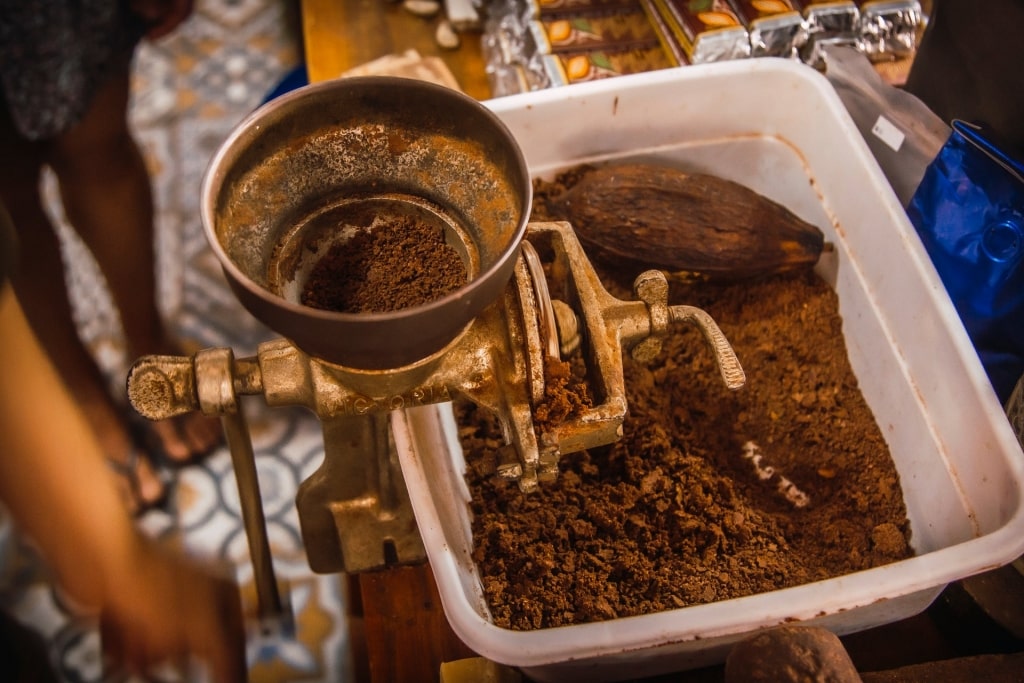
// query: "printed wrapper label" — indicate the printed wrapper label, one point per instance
point(538, 9)
point(707, 30)
point(610, 31)
point(751, 11)
point(591, 66)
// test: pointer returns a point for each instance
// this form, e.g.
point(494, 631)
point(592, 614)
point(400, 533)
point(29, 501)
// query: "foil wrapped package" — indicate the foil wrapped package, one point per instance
point(828, 22)
point(566, 69)
point(888, 28)
point(506, 79)
point(707, 30)
point(831, 19)
point(504, 33)
point(775, 27)
point(524, 41)
point(614, 30)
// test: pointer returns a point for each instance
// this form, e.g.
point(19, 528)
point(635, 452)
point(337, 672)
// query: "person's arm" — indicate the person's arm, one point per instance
point(155, 604)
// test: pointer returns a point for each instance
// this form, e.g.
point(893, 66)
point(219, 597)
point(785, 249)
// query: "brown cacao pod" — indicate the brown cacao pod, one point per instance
point(635, 215)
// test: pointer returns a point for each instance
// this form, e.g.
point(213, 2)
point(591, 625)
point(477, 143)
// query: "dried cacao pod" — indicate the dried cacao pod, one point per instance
point(635, 215)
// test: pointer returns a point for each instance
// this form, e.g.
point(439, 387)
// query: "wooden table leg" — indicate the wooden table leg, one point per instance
point(356, 628)
point(405, 631)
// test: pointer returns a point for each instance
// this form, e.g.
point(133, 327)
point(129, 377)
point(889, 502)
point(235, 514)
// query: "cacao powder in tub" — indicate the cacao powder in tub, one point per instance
point(710, 494)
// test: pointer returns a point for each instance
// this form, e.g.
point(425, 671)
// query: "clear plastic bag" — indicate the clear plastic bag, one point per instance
point(901, 131)
point(965, 196)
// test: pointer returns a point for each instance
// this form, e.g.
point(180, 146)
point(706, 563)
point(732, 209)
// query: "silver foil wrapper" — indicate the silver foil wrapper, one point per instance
point(778, 36)
point(889, 28)
point(828, 23)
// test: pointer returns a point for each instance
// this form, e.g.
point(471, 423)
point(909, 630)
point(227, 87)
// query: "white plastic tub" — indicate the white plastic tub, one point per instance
point(777, 127)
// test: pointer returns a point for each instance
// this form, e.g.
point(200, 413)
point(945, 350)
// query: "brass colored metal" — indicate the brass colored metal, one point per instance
point(728, 365)
point(302, 175)
point(354, 510)
point(162, 387)
point(311, 168)
point(568, 327)
point(545, 309)
point(215, 391)
point(651, 287)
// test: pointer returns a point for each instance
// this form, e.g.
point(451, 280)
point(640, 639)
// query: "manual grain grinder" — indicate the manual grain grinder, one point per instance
point(307, 172)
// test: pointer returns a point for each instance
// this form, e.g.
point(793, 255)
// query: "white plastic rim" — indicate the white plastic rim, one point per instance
point(778, 127)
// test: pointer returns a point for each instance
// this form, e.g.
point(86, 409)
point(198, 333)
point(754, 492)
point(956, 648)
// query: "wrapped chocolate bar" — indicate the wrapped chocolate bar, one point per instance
point(537, 9)
point(501, 44)
point(521, 32)
point(565, 69)
point(665, 36)
point(614, 30)
point(707, 30)
point(888, 28)
point(830, 18)
point(775, 27)
point(828, 22)
point(506, 79)
point(537, 44)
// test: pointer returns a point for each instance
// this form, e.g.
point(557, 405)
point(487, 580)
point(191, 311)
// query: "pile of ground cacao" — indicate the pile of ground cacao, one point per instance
point(710, 494)
point(402, 262)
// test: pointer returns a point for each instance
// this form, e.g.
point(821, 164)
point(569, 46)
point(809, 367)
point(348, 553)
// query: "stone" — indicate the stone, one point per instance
point(791, 654)
point(446, 36)
point(422, 8)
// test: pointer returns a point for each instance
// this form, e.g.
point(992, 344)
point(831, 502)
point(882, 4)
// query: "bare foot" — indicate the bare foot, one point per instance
point(186, 439)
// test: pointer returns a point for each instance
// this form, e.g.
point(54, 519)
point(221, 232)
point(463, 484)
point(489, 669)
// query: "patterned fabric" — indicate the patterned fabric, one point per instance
point(55, 54)
point(189, 90)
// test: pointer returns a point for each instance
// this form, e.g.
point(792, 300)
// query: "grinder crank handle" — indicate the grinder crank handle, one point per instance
point(652, 288)
point(728, 364)
point(161, 387)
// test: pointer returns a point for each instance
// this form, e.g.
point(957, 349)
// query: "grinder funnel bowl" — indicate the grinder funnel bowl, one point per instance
point(306, 169)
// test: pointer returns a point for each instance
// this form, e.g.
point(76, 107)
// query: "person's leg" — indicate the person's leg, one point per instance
point(105, 188)
point(40, 285)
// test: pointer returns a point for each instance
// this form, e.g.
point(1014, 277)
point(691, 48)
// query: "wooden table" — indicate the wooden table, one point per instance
point(341, 34)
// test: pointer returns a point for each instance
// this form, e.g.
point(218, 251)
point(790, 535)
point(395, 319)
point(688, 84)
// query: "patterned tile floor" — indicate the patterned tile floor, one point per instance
point(189, 91)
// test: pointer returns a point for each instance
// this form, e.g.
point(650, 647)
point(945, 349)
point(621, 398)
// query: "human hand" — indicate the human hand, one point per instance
point(162, 606)
point(161, 16)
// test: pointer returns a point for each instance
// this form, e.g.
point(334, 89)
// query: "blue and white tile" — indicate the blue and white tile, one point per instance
point(189, 91)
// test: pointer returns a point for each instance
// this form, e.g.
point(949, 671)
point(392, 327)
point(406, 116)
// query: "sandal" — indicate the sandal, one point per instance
point(139, 500)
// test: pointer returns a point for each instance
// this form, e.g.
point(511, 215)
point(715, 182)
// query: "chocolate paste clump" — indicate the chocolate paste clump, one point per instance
point(402, 262)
